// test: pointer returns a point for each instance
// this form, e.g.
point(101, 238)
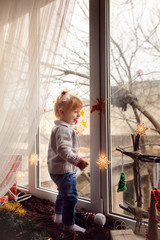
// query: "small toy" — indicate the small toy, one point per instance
point(89, 218)
point(99, 219)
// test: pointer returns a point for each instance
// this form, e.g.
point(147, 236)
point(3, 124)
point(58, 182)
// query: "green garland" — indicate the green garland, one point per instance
point(15, 226)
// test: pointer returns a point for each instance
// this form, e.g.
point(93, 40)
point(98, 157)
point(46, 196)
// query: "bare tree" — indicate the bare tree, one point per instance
point(138, 49)
point(131, 80)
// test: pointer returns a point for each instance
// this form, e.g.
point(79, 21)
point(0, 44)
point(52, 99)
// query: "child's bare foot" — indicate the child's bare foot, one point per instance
point(75, 228)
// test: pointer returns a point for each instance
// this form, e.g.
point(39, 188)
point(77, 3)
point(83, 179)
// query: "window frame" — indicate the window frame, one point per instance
point(99, 17)
point(97, 201)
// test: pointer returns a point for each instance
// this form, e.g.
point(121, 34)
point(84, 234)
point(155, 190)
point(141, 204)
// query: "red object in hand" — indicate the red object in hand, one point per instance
point(82, 164)
point(99, 106)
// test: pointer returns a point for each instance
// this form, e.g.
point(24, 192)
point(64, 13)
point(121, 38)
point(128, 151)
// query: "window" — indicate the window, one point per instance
point(112, 56)
point(71, 73)
point(31, 64)
point(134, 79)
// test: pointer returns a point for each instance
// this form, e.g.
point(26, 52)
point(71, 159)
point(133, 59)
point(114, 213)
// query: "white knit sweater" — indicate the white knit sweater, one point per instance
point(63, 149)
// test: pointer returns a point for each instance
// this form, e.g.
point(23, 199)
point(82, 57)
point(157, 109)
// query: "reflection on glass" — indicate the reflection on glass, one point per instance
point(135, 94)
point(72, 73)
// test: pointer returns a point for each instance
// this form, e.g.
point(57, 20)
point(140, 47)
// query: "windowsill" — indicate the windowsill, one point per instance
point(138, 237)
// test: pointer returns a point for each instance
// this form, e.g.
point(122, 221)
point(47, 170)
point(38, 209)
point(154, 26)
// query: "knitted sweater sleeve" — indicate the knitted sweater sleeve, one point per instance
point(64, 144)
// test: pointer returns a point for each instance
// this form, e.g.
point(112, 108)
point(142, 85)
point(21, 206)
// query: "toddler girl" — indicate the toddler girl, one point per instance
point(63, 159)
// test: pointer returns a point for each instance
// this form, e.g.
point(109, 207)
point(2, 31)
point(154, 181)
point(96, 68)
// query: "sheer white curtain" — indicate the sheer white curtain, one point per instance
point(32, 37)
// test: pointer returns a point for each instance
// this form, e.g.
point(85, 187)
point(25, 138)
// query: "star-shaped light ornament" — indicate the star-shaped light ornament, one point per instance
point(84, 124)
point(103, 162)
point(141, 129)
point(33, 159)
point(81, 113)
point(20, 175)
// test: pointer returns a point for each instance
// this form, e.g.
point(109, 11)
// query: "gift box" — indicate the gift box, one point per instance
point(13, 190)
point(122, 234)
point(4, 199)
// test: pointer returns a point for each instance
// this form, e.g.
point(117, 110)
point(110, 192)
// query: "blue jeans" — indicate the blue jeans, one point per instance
point(67, 196)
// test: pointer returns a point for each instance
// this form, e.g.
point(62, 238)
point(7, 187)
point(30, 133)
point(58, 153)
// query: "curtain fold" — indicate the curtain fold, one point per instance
point(32, 37)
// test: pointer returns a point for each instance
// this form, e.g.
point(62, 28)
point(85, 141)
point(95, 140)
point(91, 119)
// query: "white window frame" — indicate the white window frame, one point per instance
point(96, 202)
point(100, 141)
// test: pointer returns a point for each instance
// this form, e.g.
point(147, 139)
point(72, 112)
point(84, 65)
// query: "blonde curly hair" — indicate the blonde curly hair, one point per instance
point(66, 100)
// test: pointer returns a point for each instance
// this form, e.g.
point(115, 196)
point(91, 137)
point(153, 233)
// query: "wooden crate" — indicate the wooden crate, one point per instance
point(122, 234)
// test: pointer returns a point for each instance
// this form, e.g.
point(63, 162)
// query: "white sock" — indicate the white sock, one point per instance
point(75, 228)
point(58, 218)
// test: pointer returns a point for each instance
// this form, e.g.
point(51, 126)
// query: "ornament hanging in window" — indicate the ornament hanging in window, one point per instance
point(81, 113)
point(33, 159)
point(20, 175)
point(135, 139)
point(141, 129)
point(99, 106)
point(122, 182)
point(84, 124)
point(103, 162)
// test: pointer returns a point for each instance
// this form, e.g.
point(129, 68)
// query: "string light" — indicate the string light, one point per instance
point(141, 129)
point(103, 162)
point(20, 175)
point(33, 159)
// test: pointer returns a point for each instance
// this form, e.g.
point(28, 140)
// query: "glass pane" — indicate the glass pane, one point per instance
point(135, 97)
point(72, 73)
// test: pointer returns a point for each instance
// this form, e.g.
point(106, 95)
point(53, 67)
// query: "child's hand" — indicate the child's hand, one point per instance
point(82, 164)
